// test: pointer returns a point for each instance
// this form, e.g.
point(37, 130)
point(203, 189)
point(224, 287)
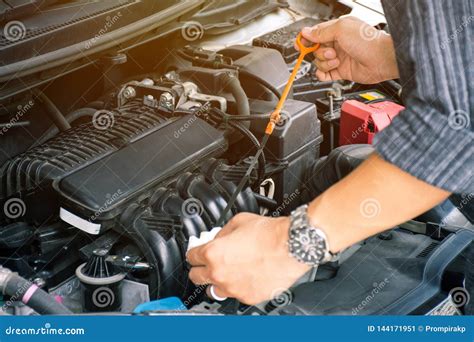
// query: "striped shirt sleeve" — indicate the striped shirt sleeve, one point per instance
point(433, 138)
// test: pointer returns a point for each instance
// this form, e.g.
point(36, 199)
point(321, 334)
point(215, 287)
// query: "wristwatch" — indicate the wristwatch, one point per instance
point(306, 243)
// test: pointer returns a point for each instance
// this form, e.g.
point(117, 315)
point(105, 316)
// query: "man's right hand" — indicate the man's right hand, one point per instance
point(352, 50)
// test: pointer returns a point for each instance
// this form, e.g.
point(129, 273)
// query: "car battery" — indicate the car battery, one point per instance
point(330, 113)
point(360, 121)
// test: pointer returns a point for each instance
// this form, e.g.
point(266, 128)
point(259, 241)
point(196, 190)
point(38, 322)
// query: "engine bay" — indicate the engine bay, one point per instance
point(99, 215)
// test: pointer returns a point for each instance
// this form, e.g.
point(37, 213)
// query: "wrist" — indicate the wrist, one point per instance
point(282, 231)
point(317, 216)
point(389, 68)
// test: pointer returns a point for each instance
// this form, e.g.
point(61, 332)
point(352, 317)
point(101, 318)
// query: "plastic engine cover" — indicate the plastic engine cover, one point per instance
point(96, 194)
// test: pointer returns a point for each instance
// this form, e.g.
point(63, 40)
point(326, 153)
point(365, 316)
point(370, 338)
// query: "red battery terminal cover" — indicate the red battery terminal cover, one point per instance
point(360, 121)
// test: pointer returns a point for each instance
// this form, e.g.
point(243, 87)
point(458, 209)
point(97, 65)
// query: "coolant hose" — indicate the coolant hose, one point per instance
point(70, 118)
point(262, 82)
point(232, 85)
point(18, 288)
point(54, 113)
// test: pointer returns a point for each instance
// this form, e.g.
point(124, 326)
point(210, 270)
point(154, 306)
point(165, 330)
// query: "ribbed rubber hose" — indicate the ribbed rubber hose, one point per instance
point(39, 300)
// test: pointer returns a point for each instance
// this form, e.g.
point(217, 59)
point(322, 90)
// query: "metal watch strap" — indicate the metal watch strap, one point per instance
point(306, 243)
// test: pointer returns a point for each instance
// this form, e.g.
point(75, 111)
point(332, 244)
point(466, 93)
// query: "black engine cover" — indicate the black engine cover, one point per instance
point(101, 191)
point(29, 176)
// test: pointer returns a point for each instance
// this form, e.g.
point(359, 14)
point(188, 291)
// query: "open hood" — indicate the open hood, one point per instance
point(43, 39)
point(70, 30)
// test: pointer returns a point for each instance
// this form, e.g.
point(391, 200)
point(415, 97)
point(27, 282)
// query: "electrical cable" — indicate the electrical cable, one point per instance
point(274, 118)
point(262, 82)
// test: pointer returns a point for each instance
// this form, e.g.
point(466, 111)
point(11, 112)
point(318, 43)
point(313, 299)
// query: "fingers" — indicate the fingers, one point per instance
point(203, 255)
point(325, 53)
point(200, 275)
point(322, 33)
point(234, 223)
point(326, 56)
point(332, 75)
point(197, 256)
point(326, 66)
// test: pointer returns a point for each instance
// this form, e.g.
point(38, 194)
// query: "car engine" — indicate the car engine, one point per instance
point(99, 215)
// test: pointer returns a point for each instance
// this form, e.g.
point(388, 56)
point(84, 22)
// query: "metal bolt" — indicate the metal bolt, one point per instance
point(147, 82)
point(40, 282)
point(129, 93)
point(167, 101)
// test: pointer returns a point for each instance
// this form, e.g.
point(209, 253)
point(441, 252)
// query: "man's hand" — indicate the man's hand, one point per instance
point(352, 50)
point(248, 259)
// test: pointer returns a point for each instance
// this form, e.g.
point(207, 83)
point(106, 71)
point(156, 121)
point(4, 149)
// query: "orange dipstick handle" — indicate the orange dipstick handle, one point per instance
point(275, 116)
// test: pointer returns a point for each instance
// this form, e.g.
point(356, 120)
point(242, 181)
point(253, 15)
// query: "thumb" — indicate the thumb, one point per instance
point(321, 33)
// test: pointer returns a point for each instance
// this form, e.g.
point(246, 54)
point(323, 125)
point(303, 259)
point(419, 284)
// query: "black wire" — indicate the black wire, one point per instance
point(251, 117)
point(261, 81)
point(244, 131)
point(250, 136)
point(261, 160)
point(243, 182)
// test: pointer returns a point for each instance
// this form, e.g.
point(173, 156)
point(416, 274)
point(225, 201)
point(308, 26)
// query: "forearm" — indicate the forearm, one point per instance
point(374, 197)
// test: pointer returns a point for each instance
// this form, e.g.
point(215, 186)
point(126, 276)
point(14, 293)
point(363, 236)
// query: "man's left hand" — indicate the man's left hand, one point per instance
point(248, 260)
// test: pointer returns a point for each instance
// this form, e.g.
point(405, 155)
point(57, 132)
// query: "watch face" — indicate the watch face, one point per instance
point(307, 245)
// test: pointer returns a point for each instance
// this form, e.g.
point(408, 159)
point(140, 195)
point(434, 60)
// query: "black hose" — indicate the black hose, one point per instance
point(53, 112)
point(261, 81)
point(232, 84)
point(265, 202)
point(71, 117)
point(39, 300)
